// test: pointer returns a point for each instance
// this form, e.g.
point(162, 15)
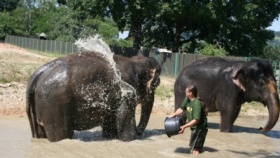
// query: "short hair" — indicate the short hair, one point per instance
point(192, 89)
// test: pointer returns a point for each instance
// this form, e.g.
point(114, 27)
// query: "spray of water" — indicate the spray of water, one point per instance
point(96, 44)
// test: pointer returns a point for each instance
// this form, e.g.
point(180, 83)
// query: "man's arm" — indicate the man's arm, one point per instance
point(189, 124)
point(177, 112)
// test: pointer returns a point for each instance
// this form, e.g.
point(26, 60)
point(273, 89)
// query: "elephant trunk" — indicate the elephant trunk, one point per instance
point(273, 109)
point(146, 110)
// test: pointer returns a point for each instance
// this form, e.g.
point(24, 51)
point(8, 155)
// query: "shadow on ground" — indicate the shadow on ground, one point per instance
point(89, 136)
point(241, 129)
point(258, 153)
point(187, 150)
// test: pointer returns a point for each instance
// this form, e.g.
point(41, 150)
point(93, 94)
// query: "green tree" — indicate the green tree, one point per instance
point(6, 25)
point(23, 17)
point(238, 26)
point(271, 52)
point(8, 5)
point(90, 17)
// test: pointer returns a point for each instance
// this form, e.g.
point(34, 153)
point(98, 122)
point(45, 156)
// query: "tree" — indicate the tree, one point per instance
point(271, 52)
point(22, 18)
point(92, 17)
point(238, 26)
point(8, 5)
point(6, 26)
point(131, 15)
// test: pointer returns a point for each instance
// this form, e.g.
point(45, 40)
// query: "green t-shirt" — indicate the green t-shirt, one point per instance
point(194, 110)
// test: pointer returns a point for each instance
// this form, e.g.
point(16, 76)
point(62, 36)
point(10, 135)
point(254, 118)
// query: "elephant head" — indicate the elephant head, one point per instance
point(258, 83)
point(148, 76)
point(151, 81)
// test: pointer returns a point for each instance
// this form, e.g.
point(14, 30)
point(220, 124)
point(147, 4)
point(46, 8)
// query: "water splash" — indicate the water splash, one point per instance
point(96, 44)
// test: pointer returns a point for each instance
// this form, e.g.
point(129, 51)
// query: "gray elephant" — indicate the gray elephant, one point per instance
point(224, 85)
point(82, 91)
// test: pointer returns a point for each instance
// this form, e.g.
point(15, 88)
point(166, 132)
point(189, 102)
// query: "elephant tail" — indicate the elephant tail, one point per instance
point(30, 102)
point(30, 97)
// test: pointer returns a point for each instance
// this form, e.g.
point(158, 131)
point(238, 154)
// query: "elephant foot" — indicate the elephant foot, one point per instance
point(139, 132)
point(109, 135)
point(226, 130)
point(127, 137)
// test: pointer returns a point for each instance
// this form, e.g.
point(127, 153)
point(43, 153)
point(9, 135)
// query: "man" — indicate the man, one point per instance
point(197, 120)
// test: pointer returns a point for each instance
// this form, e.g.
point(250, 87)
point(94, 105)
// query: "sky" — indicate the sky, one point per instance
point(123, 35)
point(275, 26)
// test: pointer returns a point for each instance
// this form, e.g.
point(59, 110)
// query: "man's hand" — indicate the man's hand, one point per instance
point(176, 113)
point(182, 128)
point(170, 116)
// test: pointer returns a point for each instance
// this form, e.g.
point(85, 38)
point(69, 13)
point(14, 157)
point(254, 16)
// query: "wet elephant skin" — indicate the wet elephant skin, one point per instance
point(82, 91)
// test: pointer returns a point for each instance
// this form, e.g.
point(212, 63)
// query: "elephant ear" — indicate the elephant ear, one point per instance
point(236, 77)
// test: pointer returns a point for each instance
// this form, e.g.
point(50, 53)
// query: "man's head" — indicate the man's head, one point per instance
point(191, 91)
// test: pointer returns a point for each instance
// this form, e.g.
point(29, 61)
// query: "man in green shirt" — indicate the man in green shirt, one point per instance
point(197, 120)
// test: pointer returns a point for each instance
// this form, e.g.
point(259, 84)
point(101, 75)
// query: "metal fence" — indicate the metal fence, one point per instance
point(171, 63)
point(42, 45)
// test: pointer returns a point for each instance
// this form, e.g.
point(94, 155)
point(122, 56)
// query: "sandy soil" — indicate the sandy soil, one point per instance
point(12, 95)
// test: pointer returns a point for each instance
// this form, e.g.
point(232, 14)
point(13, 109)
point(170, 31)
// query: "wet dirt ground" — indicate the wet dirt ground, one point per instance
point(245, 141)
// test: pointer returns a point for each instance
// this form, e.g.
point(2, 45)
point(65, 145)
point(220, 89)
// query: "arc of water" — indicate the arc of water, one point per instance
point(96, 44)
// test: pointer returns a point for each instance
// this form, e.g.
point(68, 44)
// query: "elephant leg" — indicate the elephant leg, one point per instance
point(57, 124)
point(228, 117)
point(57, 131)
point(109, 129)
point(125, 120)
point(146, 110)
point(40, 131)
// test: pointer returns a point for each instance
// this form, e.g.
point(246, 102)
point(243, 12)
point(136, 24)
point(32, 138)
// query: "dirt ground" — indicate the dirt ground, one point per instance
point(12, 95)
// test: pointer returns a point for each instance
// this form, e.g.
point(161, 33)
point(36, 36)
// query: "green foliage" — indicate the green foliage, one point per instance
point(271, 52)
point(125, 43)
point(238, 26)
point(6, 24)
point(204, 48)
point(119, 42)
point(8, 5)
point(213, 50)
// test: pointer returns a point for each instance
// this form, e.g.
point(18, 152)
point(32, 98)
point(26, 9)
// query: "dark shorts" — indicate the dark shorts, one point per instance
point(198, 138)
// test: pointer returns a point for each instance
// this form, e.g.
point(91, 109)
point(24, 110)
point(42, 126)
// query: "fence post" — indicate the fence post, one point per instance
point(157, 55)
point(277, 73)
point(66, 47)
point(60, 47)
point(176, 65)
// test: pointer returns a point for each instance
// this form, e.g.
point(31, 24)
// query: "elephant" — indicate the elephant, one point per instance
point(84, 90)
point(224, 85)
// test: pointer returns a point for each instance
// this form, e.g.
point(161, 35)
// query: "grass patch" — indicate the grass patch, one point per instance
point(48, 54)
point(252, 105)
point(164, 92)
point(16, 72)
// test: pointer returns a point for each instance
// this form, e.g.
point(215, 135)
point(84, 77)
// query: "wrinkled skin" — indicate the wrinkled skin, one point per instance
point(80, 91)
point(223, 85)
